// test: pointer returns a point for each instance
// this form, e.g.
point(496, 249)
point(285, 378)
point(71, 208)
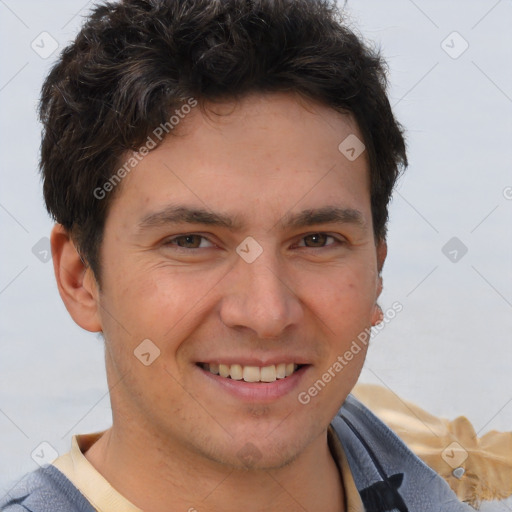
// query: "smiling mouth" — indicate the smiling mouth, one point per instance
point(269, 373)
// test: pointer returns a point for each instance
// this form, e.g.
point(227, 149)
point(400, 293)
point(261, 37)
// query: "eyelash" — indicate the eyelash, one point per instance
point(169, 242)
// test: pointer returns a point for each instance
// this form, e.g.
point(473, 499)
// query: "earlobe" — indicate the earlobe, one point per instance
point(75, 281)
point(382, 249)
point(377, 315)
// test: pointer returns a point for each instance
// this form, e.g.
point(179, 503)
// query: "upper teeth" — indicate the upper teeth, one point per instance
point(252, 373)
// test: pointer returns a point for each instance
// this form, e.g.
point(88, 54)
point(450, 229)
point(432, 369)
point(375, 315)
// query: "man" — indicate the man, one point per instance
point(220, 174)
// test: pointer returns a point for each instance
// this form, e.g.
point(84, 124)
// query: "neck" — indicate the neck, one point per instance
point(188, 481)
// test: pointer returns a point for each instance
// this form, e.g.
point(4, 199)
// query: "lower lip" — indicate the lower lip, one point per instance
point(258, 391)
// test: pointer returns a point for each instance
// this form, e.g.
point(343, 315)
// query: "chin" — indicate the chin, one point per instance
point(254, 454)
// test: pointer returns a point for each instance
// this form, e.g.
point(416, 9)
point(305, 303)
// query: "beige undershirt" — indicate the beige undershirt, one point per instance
point(84, 476)
point(104, 498)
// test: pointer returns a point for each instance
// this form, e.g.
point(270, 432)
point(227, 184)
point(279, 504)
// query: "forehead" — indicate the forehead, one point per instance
point(264, 151)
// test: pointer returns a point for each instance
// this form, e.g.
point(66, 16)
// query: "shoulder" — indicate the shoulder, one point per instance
point(477, 469)
point(42, 490)
point(388, 475)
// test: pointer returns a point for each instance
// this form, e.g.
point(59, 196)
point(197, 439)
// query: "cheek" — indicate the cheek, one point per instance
point(160, 302)
point(344, 295)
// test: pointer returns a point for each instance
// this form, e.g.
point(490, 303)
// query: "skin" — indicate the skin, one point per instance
point(177, 436)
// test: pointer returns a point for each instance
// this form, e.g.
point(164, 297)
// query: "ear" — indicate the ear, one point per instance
point(76, 282)
point(382, 251)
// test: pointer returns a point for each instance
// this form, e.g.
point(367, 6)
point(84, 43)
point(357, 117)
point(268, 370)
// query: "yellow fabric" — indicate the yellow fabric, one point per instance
point(104, 498)
point(446, 445)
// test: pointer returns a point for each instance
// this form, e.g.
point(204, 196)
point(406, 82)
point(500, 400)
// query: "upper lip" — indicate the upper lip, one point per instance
point(250, 361)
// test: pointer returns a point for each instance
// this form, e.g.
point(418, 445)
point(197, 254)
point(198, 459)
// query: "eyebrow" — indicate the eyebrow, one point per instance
point(193, 215)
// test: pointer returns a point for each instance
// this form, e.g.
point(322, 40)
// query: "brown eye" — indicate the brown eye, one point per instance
point(187, 241)
point(316, 239)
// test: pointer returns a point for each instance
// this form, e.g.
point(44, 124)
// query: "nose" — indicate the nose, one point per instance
point(259, 296)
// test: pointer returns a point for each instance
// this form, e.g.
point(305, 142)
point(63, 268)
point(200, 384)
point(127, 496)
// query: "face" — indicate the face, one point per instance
point(243, 250)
